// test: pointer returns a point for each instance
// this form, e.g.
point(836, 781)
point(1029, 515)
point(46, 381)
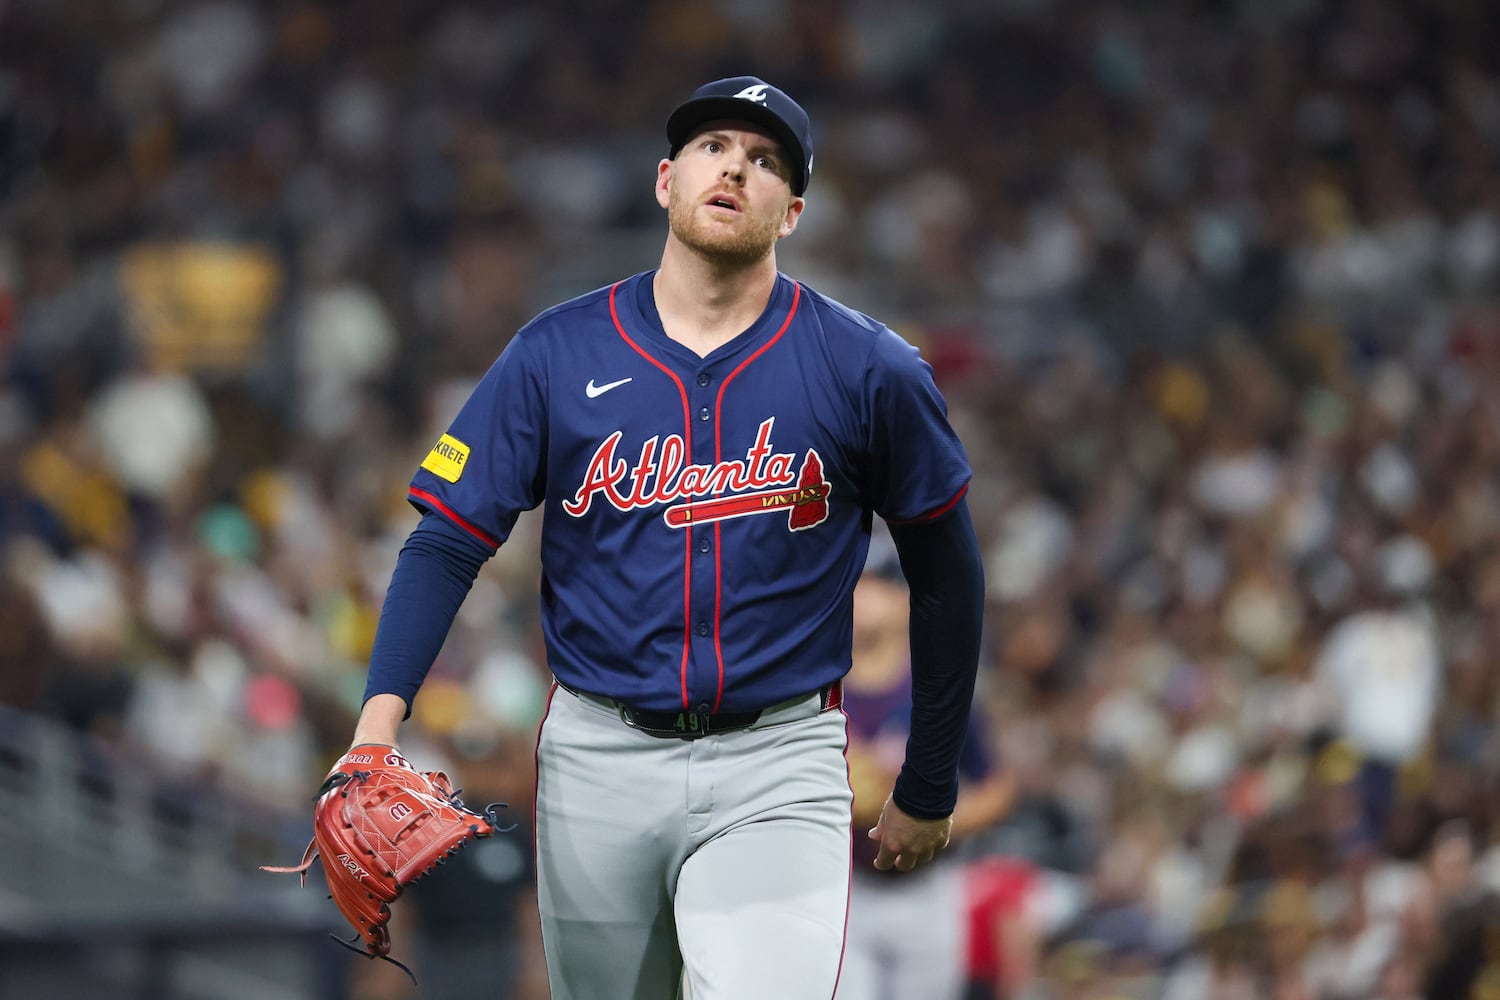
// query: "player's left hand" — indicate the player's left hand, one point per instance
point(906, 841)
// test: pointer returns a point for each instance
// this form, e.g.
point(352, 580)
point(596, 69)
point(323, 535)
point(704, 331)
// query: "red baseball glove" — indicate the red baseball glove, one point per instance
point(379, 825)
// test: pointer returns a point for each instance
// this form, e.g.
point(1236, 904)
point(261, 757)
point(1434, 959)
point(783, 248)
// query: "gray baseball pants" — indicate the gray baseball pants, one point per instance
point(722, 860)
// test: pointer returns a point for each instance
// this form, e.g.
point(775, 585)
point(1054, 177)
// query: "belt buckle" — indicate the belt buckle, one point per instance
point(686, 725)
point(691, 725)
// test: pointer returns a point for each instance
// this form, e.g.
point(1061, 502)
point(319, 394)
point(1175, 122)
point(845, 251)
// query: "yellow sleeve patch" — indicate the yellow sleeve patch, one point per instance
point(447, 458)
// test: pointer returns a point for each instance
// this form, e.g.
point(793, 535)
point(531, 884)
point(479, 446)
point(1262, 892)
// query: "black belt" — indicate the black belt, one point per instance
point(691, 724)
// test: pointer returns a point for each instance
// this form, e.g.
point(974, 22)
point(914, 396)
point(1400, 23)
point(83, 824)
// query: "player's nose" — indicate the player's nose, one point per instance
point(735, 163)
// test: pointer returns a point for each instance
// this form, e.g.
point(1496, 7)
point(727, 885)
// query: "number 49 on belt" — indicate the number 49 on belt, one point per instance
point(693, 723)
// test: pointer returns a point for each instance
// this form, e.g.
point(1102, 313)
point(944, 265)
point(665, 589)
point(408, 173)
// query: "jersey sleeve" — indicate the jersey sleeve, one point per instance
point(491, 462)
point(918, 465)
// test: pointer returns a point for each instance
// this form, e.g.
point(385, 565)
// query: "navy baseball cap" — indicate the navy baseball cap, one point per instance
point(746, 98)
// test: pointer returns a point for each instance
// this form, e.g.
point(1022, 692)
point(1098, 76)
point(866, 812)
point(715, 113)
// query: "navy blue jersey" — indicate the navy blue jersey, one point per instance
point(705, 520)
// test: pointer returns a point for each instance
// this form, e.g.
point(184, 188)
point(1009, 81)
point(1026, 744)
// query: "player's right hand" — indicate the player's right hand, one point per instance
point(906, 841)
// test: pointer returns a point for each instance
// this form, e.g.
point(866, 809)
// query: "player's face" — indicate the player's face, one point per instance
point(727, 193)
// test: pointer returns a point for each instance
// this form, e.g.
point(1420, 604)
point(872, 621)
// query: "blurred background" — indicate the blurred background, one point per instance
point(1211, 287)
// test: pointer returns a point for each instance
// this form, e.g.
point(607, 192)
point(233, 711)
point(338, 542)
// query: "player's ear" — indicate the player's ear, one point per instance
point(664, 183)
point(793, 213)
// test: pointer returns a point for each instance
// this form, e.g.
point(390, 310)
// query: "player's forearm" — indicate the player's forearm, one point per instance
point(941, 563)
point(433, 574)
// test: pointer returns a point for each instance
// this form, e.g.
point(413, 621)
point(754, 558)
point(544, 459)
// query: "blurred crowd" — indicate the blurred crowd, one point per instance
point(1212, 287)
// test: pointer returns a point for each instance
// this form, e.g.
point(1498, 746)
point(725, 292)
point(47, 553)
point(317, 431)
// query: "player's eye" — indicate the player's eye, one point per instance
point(712, 145)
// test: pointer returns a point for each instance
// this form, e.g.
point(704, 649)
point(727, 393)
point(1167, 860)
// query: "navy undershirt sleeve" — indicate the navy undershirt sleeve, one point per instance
point(436, 567)
point(940, 560)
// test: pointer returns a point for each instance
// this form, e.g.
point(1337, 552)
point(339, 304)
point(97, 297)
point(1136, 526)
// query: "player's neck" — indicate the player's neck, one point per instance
point(704, 306)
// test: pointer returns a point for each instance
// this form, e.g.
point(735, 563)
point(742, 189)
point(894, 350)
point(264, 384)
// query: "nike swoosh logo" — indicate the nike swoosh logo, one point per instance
point(595, 391)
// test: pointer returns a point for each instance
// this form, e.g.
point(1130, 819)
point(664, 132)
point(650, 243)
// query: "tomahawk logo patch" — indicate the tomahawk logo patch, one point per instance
point(763, 482)
point(806, 502)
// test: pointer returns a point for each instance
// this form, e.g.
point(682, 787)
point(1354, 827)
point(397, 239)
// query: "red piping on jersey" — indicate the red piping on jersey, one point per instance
point(432, 501)
point(687, 438)
point(719, 457)
point(933, 515)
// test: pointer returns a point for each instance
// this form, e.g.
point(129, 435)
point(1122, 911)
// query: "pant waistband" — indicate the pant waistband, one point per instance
point(692, 724)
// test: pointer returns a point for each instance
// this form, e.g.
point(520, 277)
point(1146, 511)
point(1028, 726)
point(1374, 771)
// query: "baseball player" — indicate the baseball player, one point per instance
point(709, 442)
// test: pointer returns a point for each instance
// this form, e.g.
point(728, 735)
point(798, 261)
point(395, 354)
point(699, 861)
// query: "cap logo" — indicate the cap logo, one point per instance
point(756, 93)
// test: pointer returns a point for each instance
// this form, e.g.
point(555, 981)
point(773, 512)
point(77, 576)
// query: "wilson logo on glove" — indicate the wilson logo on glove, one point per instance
point(380, 829)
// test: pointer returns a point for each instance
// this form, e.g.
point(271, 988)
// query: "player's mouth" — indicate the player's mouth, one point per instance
point(726, 202)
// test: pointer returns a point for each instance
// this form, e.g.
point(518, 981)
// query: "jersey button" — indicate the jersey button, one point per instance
point(703, 628)
point(703, 413)
point(703, 378)
point(703, 545)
